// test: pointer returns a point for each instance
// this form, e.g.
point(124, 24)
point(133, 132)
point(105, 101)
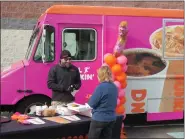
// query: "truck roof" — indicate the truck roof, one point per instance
point(106, 10)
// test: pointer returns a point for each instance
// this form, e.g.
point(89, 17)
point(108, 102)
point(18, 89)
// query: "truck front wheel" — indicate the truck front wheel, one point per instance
point(28, 105)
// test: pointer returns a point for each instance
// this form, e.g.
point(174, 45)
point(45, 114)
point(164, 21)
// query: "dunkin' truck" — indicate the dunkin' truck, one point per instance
point(154, 47)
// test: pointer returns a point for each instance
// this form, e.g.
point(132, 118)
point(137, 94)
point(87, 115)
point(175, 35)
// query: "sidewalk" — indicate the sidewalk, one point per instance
point(155, 131)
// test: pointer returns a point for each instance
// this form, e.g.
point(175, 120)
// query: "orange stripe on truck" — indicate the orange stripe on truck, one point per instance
point(105, 10)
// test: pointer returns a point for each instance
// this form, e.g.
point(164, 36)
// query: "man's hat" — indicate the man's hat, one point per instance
point(65, 54)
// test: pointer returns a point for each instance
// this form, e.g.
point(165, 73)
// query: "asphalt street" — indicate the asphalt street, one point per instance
point(155, 131)
point(136, 126)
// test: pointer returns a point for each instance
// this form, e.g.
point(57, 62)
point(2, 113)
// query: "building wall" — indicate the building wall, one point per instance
point(18, 19)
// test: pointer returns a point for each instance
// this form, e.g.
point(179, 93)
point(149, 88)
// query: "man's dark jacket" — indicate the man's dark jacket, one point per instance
point(60, 79)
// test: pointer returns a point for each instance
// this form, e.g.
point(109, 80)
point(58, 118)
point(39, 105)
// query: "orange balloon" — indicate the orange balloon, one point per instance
point(23, 117)
point(120, 109)
point(124, 84)
point(122, 77)
point(14, 117)
point(116, 69)
point(122, 100)
point(110, 60)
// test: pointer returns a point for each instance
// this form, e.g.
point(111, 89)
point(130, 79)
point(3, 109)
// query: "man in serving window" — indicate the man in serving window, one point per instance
point(63, 79)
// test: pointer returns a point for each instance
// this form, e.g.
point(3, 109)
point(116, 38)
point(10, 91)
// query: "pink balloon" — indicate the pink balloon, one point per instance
point(118, 85)
point(121, 93)
point(124, 116)
point(118, 101)
point(122, 126)
point(125, 67)
point(122, 60)
point(121, 89)
point(106, 55)
point(113, 77)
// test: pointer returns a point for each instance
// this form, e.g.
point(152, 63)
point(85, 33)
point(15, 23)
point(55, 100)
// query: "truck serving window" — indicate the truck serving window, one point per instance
point(80, 42)
point(47, 48)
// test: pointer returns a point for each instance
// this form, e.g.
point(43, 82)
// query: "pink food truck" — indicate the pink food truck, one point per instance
point(154, 47)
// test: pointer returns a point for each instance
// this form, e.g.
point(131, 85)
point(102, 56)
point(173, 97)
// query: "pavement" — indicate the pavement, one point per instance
point(155, 131)
point(136, 126)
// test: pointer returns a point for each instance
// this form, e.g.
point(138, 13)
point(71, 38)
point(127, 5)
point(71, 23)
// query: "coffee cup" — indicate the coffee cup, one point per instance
point(146, 89)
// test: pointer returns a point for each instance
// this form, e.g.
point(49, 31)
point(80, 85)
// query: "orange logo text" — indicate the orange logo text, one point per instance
point(138, 96)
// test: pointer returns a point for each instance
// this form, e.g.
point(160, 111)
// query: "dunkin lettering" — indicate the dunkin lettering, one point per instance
point(138, 96)
point(84, 74)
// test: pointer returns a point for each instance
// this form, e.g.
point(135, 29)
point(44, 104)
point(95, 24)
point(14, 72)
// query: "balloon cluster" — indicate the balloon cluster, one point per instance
point(118, 67)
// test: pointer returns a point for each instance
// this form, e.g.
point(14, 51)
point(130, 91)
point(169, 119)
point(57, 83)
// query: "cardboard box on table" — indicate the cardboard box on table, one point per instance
point(80, 109)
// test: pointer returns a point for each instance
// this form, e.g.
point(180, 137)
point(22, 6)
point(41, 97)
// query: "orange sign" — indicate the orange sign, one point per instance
point(178, 92)
point(138, 96)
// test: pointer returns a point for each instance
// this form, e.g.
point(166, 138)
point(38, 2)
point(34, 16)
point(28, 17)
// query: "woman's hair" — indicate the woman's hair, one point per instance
point(105, 74)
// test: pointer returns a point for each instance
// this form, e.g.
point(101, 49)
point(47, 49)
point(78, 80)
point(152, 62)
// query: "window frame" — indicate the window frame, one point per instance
point(164, 22)
point(96, 44)
point(30, 49)
point(44, 49)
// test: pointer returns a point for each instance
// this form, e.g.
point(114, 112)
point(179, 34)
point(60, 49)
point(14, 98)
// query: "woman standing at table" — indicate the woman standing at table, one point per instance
point(103, 103)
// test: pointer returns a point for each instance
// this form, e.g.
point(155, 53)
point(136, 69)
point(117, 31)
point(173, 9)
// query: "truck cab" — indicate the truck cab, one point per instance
point(24, 84)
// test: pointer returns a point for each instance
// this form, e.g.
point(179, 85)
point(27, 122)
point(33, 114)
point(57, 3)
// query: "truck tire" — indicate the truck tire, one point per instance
point(28, 105)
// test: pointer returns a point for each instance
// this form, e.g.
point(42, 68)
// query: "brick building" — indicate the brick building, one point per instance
point(18, 18)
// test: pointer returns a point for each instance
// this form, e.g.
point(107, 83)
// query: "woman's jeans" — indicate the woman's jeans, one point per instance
point(101, 130)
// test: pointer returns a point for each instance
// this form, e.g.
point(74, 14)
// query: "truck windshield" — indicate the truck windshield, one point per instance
point(32, 43)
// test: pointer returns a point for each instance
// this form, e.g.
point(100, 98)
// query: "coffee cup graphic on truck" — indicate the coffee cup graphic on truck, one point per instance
point(146, 75)
point(151, 78)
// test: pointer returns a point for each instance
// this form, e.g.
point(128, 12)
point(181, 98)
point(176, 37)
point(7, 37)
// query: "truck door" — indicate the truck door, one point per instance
point(84, 41)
